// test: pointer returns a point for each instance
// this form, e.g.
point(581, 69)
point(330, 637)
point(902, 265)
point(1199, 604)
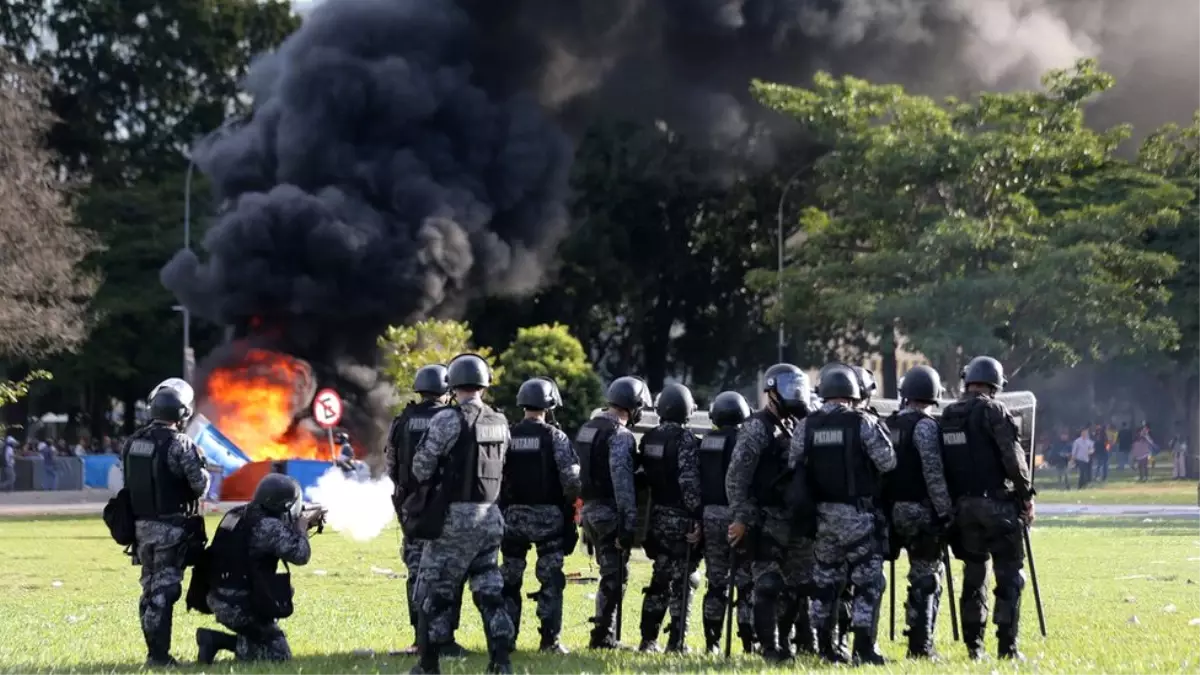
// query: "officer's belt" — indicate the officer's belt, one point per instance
point(1000, 495)
point(860, 503)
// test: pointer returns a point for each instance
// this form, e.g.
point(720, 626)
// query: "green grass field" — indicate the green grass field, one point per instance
point(70, 605)
point(1120, 488)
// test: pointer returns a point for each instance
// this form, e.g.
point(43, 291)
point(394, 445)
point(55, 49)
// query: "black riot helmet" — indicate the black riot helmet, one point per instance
point(729, 409)
point(538, 393)
point(631, 394)
point(866, 382)
point(839, 381)
point(166, 406)
point(788, 387)
point(984, 370)
point(431, 379)
point(922, 383)
point(469, 370)
point(278, 495)
point(675, 404)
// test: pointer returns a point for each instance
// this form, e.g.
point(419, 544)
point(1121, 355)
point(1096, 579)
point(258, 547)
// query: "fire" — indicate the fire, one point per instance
point(257, 401)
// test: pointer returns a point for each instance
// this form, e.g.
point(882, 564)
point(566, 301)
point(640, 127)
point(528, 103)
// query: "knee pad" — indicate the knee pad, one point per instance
point(513, 548)
point(488, 600)
point(974, 575)
point(172, 593)
point(925, 585)
point(1010, 577)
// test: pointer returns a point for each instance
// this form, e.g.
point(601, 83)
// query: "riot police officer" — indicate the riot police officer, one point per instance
point(166, 478)
point(605, 445)
point(782, 563)
point(919, 502)
point(406, 431)
point(669, 458)
point(839, 451)
point(866, 387)
point(541, 484)
point(460, 462)
point(249, 544)
point(725, 566)
point(989, 480)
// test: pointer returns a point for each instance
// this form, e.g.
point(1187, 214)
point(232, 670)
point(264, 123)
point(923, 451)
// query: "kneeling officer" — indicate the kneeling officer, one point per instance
point(246, 593)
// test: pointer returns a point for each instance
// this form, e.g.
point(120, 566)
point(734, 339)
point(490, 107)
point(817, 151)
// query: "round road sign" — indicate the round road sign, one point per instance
point(327, 408)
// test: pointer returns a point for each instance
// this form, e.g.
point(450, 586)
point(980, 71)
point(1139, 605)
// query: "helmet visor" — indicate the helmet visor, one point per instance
point(792, 387)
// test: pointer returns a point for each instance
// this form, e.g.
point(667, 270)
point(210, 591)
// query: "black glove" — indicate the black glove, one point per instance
point(570, 531)
point(625, 538)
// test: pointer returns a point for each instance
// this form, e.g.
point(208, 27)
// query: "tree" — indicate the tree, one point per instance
point(405, 349)
point(550, 351)
point(44, 293)
point(930, 225)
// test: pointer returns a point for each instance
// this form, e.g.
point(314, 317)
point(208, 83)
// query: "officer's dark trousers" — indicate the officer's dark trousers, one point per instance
point(600, 524)
point(989, 528)
point(162, 586)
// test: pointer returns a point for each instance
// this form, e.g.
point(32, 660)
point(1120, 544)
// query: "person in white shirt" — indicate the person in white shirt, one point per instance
point(1081, 452)
point(8, 475)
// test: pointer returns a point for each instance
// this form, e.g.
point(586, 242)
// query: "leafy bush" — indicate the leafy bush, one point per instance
point(407, 348)
point(550, 350)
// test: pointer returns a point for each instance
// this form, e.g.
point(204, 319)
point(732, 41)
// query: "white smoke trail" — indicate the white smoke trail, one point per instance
point(357, 507)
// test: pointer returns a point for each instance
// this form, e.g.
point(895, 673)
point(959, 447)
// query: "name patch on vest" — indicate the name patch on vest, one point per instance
point(954, 438)
point(526, 443)
point(895, 436)
point(655, 451)
point(586, 434)
point(828, 437)
point(230, 521)
point(418, 424)
point(490, 433)
point(712, 443)
point(141, 448)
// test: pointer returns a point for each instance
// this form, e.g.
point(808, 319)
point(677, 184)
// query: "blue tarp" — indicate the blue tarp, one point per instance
point(96, 468)
point(306, 471)
point(216, 447)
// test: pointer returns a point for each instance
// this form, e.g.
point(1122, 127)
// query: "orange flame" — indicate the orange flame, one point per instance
point(256, 402)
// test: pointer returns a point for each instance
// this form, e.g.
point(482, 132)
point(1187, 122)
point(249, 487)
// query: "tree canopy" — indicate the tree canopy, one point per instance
point(405, 349)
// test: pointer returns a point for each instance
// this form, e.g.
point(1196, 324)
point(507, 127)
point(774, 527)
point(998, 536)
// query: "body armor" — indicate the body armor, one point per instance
point(660, 458)
point(591, 444)
point(906, 483)
point(530, 471)
point(154, 490)
point(481, 446)
point(405, 435)
point(772, 464)
point(716, 450)
point(970, 453)
point(839, 469)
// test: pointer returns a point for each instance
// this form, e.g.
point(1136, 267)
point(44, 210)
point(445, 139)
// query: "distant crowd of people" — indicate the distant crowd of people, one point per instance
point(49, 450)
point(1096, 447)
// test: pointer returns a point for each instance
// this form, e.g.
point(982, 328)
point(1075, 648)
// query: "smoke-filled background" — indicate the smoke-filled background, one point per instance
point(405, 155)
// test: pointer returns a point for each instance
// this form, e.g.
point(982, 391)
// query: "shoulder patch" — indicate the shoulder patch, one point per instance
point(490, 433)
point(586, 434)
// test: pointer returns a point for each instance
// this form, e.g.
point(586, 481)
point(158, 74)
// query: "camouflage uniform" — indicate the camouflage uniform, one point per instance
point(540, 526)
point(667, 547)
point(918, 527)
point(851, 541)
point(990, 525)
point(161, 549)
point(259, 640)
point(468, 547)
point(782, 566)
point(716, 564)
point(602, 520)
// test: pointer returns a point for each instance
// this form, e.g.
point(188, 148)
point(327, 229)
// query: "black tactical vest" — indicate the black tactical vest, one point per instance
point(591, 444)
point(772, 463)
point(906, 483)
point(480, 449)
point(232, 568)
point(839, 469)
point(407, 430)
point(660, 459)
point(716, 450)
point(970, 453)
point(154, 490)
point(530, 471)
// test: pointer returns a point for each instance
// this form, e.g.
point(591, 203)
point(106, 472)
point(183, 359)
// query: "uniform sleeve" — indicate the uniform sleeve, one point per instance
point(797, 449)
point(925, 436)
point(689, 472)
point(437, 442)
point(389, 447)
point(620, 464)
point(751, 439)
point(1012, 455)
point(185, 460)
point(282, 540)
point(568, 465)
point(878, 443)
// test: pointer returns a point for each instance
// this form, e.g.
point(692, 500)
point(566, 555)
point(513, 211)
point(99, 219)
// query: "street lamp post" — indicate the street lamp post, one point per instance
point(787, 187)
point(189, 359)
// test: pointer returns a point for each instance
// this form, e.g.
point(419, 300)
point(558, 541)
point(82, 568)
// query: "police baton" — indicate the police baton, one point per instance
point(681, 625)
point(620, 591)
point(1037, 591)
point(732, 601)
point(950, 588)
point(892, 600)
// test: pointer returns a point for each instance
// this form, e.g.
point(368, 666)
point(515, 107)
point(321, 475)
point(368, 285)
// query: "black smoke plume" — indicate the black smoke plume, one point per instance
point(379, 180)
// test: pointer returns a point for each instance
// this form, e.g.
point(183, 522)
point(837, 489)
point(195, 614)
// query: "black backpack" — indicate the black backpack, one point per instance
point(118, 516)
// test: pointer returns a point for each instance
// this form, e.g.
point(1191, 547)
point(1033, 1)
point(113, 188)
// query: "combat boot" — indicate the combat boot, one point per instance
point(973, 638)
point(428, 662)
point(676, 636)
point(865, 650)
point(1007, 636)
point(712, 635)
point(843, 631)
point(210, 642)
point(827, 647)
point(746, 634)
point(806, 637)
point(453, 650)
point(550, 644)
point(602, 638)
point(499, 662)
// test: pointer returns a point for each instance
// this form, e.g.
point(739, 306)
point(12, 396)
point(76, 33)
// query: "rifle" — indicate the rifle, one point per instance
point(681, 626)
point(620, 593)
point(892, 599)
point(1037, 592)
point(950, 587)
point(316, 516)
point(732, 602)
